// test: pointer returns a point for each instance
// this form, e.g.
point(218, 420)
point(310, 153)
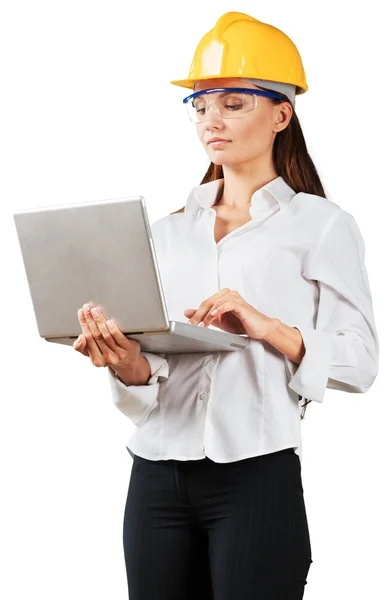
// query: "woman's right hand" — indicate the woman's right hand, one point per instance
point(105, 344)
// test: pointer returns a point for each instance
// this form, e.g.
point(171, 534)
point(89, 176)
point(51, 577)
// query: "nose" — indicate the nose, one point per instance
point(211, 117)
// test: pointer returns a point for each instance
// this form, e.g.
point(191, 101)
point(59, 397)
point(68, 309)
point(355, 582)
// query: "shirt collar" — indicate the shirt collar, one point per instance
point(275, 193)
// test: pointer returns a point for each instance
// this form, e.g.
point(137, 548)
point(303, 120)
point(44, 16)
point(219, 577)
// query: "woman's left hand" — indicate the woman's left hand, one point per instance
point(233, 315)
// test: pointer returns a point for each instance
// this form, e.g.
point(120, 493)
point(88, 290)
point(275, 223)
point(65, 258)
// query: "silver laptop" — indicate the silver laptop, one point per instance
point(102, 252)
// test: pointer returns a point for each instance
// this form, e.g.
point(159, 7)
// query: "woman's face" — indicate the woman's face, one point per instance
point(250, 136)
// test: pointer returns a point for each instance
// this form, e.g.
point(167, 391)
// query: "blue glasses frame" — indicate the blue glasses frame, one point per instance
point(235, 89)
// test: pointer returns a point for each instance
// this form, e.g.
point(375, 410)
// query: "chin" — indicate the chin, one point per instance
point(225, 161)
point(221, 157)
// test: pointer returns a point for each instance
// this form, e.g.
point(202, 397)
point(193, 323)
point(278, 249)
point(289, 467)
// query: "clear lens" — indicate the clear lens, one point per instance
point(228, 105)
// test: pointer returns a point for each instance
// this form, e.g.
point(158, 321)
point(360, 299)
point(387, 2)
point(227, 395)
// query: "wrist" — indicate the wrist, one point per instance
point(136, 373)
point(273, 326)
point(288, 340)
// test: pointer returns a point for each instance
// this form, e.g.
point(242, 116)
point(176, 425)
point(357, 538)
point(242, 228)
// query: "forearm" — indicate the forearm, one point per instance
point(287, 340)
point(139, 374)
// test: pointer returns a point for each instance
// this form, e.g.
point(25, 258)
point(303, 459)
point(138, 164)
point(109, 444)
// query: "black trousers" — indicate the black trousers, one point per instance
point(199, 530)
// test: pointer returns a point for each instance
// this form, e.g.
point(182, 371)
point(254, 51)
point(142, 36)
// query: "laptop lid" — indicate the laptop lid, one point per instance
point(99, 252)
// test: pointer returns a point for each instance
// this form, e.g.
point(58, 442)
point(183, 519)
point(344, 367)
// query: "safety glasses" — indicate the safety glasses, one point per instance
point(230, 103)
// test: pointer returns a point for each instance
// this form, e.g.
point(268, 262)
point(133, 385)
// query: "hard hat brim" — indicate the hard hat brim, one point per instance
point(186, 83)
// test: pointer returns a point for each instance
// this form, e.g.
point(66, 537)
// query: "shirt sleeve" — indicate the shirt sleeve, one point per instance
point(137, 401)
point(342, 351)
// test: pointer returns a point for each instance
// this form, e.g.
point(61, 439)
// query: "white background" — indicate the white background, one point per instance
point(87, 112)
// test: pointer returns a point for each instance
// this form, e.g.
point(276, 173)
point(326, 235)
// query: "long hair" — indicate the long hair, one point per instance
point(292, 162)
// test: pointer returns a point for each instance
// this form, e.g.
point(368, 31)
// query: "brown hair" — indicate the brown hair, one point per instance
point(292, 162)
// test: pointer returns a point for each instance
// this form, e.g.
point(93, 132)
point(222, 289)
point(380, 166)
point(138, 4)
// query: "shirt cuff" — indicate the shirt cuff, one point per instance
point(138, 401)
point(159, 367)
point(309, 378)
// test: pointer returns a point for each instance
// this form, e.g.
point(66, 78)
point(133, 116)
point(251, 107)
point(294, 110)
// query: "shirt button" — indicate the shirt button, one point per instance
point(203, 396)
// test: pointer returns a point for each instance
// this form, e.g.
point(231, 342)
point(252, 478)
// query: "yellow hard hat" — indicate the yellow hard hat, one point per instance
point(241, 46)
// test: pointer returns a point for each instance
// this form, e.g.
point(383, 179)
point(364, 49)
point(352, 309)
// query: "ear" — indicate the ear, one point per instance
point(283, 117)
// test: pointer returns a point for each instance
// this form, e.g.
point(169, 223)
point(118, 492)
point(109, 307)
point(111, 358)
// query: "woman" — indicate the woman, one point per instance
point(215, 505)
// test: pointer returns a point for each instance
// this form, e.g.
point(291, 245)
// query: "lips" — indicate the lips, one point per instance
point(217, 140)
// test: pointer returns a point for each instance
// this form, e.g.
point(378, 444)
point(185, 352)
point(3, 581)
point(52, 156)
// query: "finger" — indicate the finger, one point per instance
point(76, 343)
point(91, 322)
point(119, 337)
point(220, 307)
point(97, 335)
point(209, 318)
point(104, 355)
point(191, 311)
point(103, 334)
point(208, 304)
point(80, 345)
point(93, 348)
point(223, 307)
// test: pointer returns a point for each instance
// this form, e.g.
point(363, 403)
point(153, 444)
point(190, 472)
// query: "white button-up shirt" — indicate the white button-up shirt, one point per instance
point(300, 259)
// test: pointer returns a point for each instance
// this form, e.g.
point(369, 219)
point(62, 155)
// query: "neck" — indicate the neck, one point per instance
point(241, 181)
